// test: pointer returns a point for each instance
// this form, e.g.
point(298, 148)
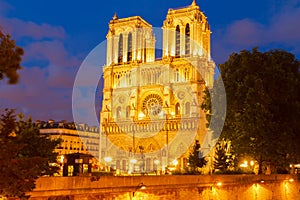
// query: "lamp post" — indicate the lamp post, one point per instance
point(156, 162)
point(132, 160)
point(141, 186)
point(107, 161)
point(167, 140)
point(143, 160)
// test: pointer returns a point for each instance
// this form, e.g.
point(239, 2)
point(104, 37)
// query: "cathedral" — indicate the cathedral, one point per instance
point(151, 111)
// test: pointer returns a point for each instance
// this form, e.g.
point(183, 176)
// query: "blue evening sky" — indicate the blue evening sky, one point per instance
point(57, 35)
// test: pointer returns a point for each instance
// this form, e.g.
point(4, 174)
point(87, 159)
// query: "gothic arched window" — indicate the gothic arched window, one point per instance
point(186, 74)
point(129, 47)
point(145, 51)
point(187, 39)
point(177, 41)
point(118, 112)
point(120, 50)
point(176, 75)
point(127, 112)
point(187, 108)
point(177, 109)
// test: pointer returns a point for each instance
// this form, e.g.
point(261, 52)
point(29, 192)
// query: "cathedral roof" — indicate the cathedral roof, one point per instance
point(193, 6)
point(133, 19)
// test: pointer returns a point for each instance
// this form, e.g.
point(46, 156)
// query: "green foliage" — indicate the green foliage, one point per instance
point(196, 160)
point(263, 101)
point(214, 105)
point(10, 58)
point(24, 155)
point(223, 157)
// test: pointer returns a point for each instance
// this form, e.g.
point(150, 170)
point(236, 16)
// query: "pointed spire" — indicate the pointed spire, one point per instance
point(194, 3)
point(115, 17)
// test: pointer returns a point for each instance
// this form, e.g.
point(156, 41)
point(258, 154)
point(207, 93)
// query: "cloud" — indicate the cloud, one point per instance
point(19, 29)
point(281, 31)
point(44, 90)
point(34, 96)
point(53, 51)
point(61, 77)
point(244, 32)
point(285, 27)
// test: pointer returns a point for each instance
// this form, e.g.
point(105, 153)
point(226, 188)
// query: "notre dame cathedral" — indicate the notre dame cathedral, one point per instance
point(151, 113)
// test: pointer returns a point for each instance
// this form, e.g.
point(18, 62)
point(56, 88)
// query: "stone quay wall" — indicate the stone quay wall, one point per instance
point(198, 187)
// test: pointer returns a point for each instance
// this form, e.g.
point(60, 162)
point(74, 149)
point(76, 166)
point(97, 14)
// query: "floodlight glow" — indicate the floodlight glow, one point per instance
point(108, 159)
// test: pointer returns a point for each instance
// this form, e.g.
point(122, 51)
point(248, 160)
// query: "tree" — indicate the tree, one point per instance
point(223, 157)
point(24, 155)
point(10, 58)
point(263, 101)
point(196, 159)
point(214, 105)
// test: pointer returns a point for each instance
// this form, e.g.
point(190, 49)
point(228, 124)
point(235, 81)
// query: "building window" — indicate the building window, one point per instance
point(187, 108)
point(148, 164)
point(124, 165)
point(145, 51)
point(176, 75)
point(129, 48)
point(70, 170)
point(120, 50)
point(177, 41)
point(118, 112)
point(177, 109)
point(127, 112)
point(186, 74)
point(187, 39)
point(118, 165)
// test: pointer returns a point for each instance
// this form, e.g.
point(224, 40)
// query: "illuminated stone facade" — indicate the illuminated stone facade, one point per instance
point(151, 112)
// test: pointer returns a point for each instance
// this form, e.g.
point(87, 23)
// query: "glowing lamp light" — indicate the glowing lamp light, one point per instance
point(143, 187)
point(219, 184)
point(262, 181)
point(175, 162)
point(108, 159)
point(245, 164)
point(251, 163)
point(156, 162)
point(291, 180)
point(141, 115)
point(140, 186)
point(62, 159)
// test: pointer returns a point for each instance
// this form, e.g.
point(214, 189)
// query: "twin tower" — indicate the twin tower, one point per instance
point(151, 113)
point(131, 39)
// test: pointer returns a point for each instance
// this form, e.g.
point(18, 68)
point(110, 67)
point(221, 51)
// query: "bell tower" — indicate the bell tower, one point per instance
point(129, 40)
point(186, 32)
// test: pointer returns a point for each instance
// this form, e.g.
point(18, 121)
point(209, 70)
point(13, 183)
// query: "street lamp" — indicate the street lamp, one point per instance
point(175, 162)
point(167, 139)
point(133, 161)
point(107, 160)
point(143, 156)
point(139, 186)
